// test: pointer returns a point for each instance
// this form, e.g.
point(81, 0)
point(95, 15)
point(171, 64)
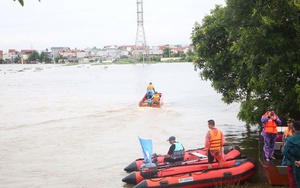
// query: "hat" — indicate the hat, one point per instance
point(270, 108)
point(171, 138)
point(290, 120)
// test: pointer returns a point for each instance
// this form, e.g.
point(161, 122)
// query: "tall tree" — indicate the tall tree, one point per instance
point(44, 57)
point(167, 52)
point(34, 56)
point(250, 52)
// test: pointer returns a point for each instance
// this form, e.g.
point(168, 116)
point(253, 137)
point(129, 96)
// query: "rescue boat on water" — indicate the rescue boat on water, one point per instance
point(144, 102)
point(240, 171)
point(192, 154)
point(276, 174)
point(178, 168)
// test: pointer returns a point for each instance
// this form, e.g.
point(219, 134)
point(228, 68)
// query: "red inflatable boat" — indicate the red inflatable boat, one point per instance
point(240, 171)
point(149, 103)
point(184, 167)
point(192, 154)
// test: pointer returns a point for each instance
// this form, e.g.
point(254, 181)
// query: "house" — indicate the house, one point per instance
point(25, 55)
point(187, 48)
point(1, 54)
point(55, 50)
point(11, 56)
point(155, 50)
point(128, 48)
point(72, 53)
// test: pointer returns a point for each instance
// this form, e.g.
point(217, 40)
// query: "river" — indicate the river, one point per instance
point(78, 126)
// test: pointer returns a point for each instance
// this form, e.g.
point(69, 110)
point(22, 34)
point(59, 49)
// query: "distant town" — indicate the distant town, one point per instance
point(109, 53)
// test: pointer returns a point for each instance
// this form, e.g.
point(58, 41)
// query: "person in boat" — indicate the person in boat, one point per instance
point(156, 98)
point(175, 153)
point(289, 131)
point(270, 121)
point(214, 141)
point(291, 151)
point(150, 91)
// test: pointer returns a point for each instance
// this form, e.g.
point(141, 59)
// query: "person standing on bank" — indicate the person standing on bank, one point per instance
point(270, 121)
point(175, 153)
point(291, 151)
point(289, 131)
point(214, 141)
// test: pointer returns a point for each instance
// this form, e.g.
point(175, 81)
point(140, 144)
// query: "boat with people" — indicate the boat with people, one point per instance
point(191, 154)
point(145, 102)
point(275, 172)
point(236, 172)
point(162, 170)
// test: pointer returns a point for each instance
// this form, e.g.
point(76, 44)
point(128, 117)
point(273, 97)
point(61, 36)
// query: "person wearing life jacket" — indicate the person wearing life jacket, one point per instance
point(289, 131)
point(214, 141)
point(270, 121)
point(175, 153)
point(150, 91)
point(156, 98)
point(291, 151)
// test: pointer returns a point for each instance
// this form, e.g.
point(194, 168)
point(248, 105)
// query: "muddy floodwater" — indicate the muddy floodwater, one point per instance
point(78, 126)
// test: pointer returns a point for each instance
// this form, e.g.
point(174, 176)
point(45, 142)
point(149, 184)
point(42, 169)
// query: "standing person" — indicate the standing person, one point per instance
point(150, 91)
point(291, 151)
point(289, 131)
point(270, 121)
point(176, 151)
point(214, 141)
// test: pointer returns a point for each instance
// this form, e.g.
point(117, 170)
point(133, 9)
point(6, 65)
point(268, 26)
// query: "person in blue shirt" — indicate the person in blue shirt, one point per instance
point(291, 151)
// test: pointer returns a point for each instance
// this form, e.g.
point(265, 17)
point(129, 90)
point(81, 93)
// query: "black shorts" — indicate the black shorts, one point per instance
point(210, 157)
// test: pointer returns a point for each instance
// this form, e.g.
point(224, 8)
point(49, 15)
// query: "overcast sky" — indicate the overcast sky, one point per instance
point(88, 23)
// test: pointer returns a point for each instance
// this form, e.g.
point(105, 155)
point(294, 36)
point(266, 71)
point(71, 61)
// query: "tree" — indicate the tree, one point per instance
point(44, 57)
point(250, 52)
point(34, 56)
point(167, 52)
point(17, 59)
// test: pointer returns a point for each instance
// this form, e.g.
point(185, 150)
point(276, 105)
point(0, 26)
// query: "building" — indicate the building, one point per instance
point(55, 51)
point(25, 56)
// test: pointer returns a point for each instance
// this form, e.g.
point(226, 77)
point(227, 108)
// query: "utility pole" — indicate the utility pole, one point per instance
point(140, 39)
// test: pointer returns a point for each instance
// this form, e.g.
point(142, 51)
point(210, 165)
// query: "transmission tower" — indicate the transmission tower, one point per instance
point(141, 48)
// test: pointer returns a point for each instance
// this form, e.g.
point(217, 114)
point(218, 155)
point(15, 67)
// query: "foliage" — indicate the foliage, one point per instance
point(250, 52)
point(44, 57)
point(34, 56)
point(17, 60)
point(1, 61)
point(167, 52)
point(57, 58)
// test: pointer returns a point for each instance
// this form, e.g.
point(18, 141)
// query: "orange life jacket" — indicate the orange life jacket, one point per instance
point(156, 98)
point(150, 87)
point(271, 126)
point(215, 140)
point(288, 132)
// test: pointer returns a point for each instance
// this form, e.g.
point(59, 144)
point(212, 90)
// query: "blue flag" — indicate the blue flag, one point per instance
point(147, 149)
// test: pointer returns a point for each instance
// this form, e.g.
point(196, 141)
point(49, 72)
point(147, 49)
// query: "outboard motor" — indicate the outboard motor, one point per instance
point(148, 170)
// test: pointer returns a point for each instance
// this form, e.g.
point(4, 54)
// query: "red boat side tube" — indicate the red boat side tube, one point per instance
point(136, 177)
point(242, 170)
